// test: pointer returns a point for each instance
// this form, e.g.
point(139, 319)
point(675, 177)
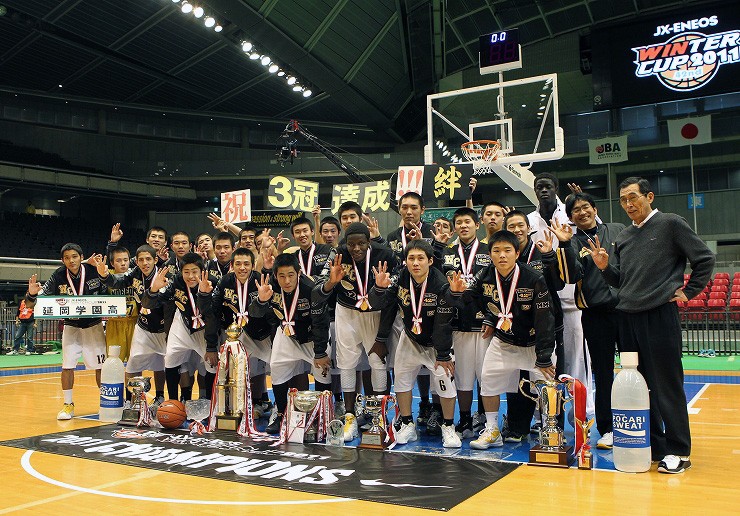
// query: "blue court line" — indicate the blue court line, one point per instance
point(36, 370)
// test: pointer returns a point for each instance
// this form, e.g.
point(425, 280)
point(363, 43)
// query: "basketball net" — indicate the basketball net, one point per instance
point(482, 154)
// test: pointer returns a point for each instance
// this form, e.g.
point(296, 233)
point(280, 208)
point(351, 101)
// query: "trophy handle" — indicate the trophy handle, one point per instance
point(521, 389)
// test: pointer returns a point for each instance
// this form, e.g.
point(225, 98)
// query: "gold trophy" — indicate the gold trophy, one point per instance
point(552, 449)
point(376, 406)
point(231, 387)
point(138, 386)
point(585, 455)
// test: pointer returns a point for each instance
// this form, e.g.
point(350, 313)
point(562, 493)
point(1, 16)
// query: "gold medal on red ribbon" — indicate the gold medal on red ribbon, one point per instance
point(506, 325)
point(416, 330)
point(288, 331)
point(365, 305)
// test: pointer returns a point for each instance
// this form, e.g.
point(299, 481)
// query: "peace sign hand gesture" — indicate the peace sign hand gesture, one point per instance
point(264, 288)
point(599, 254)
point(545, 246)
point(382, 277)
point(456, 281)
point(159, 281)
point(562, 231)
point(205, 286)
point(34, 287)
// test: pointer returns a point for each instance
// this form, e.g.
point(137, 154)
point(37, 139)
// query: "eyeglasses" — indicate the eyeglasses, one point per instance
point(631, 199)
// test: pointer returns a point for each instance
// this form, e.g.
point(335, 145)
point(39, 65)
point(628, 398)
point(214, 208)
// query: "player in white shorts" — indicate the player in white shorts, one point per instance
point(422, 293)
point(81, 337)
point(516, 305)
point(190, 292)
point(357, 321)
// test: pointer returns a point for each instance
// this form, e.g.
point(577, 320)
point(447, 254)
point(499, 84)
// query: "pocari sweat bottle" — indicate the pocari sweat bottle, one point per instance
point(111, 386)
point(631, 418)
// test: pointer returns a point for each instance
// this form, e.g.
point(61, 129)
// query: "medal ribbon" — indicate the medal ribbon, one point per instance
point(467, 266)
point(362, 297)
point(505, 314)
point(242, 292)
point(531, 253)
point(289, 323)
point(197, 316)
point(82, 281)
point(416, 327)
point(228, 269)
point(306, 269)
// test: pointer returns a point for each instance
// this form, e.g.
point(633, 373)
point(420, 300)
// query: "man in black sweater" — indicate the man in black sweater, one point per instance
point(647, 264)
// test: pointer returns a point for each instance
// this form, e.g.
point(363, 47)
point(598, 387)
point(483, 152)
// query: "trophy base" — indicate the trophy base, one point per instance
point(585, 460)
point(373, 440)
point(228, 422)
point(130, 417)
point(560, 458)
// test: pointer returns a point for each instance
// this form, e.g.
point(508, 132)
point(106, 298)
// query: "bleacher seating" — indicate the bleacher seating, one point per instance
point(41, 236)
point(11, 153)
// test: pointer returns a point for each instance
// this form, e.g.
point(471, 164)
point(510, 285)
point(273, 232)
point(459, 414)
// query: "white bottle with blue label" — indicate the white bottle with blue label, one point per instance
point(631, 417)
point(112, 377)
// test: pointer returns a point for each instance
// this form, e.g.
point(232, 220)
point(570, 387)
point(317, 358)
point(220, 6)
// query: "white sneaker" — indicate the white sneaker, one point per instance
point(673, 464)
point(450, 439)
point(406, 433)
point(606, 441)
point(488, 437)
point(350, 427)
point(67, 412)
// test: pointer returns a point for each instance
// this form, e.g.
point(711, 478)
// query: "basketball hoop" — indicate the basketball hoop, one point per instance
point(482, 153)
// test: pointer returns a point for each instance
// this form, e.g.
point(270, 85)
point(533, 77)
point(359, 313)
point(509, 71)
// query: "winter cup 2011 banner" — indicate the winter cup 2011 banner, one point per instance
point(670, 56)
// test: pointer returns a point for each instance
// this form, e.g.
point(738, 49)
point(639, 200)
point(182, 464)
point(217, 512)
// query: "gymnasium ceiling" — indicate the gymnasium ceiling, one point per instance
point(369, 63)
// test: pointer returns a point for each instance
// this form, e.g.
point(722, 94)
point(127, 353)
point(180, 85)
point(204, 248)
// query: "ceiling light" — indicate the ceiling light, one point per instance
point(273, 68)
point(198, 12)
point(446, 153)
point(210, 22)
point(524, 105)
point(218, 28)
point(307, 93)
point(297, 87)
point(186, 8)
point(265, 60)
point(281, 73)
point(291, 80)
point(175, 1)
point(247, 46)
point(254, 56)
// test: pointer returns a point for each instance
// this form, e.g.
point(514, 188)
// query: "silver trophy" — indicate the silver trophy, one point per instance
point(376, 406)
point(304, 403)
point(552, 449)
point(138, 386)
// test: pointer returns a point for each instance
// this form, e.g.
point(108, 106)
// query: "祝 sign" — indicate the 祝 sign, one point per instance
point(372, 197)
point(289, 192)
point(236, 206)
point(79, 307)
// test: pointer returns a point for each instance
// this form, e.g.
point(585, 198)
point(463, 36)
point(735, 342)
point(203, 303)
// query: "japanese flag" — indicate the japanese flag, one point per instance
point(690, 131)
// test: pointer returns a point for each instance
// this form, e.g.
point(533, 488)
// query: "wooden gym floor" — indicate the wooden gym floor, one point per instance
point(53, 484)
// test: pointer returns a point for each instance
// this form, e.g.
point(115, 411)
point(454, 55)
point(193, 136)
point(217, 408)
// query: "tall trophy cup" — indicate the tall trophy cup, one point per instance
point(231, 382)
point(309, 415)
point(551, 450)
point(376, 406)
point(138, 386)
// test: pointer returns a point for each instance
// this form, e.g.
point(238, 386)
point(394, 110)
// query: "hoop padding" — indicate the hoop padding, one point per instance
point(481, 153)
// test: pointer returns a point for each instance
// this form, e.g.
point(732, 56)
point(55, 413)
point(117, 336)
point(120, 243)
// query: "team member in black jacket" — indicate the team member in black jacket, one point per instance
point(223, 248)
point(468, 258)
point(540, 256)
point(302, 328)
point(231, 299)
point(312, 257)
point(596, 298)
point(81, 337)
point(516, 305)
point(190, 294)
point(422, 294)
point(148, 343)
point(357, 321)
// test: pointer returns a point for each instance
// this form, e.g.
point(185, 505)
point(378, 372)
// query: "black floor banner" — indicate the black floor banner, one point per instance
point(416, 480)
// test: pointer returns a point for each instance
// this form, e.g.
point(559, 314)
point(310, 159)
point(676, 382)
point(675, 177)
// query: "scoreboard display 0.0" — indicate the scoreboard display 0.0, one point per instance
point(500, 51)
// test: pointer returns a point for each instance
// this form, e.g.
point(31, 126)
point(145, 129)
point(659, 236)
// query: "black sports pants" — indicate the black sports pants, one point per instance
point(656, 335)
point(601, 330)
